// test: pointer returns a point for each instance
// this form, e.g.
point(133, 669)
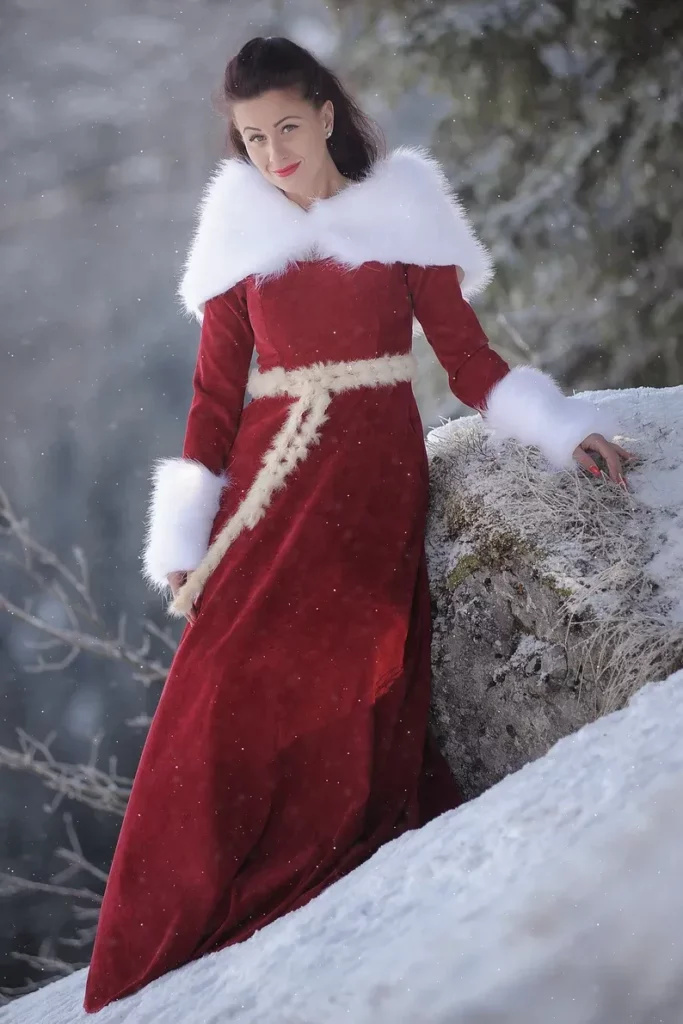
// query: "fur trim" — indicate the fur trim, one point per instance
point(528, 405)
point(403, 211)
point(182, 508)
point(313, 387)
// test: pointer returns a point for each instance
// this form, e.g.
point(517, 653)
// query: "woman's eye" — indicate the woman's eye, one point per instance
point(257, 138)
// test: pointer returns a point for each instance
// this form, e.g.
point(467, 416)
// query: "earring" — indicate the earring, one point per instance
point(328, 134)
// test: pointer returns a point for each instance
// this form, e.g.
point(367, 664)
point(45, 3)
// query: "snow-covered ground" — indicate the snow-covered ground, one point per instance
point(554, 897)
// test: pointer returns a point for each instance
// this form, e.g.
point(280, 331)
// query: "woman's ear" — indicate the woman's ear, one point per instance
point(327, 111)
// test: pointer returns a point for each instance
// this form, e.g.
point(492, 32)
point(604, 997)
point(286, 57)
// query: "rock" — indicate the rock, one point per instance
point(555, 596)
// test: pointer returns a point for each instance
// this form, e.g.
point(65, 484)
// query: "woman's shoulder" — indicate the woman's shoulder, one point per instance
point(231, 237)
point(406, 210)
point(403, 211)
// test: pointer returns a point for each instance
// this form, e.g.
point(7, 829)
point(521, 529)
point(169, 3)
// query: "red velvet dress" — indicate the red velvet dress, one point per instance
point(290, 740)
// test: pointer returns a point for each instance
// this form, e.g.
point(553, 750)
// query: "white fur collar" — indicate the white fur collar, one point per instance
point(402, 211)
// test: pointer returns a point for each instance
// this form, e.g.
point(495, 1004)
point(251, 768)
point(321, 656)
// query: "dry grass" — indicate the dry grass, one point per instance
point(594, 538)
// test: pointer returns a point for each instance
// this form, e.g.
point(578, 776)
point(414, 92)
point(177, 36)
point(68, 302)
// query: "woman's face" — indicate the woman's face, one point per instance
point(280, 132)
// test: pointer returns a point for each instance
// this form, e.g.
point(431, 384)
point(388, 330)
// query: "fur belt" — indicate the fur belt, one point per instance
point(312, 387)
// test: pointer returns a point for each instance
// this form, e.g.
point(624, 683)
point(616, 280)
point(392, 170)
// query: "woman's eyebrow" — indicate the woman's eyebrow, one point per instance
point(250, 128)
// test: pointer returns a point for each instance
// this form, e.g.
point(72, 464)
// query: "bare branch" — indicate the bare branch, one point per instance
point(73, 636)
point(47, 963)
point(59, 639)
point(74, 857)
point(9, 994)
point(142, 721)
point(516, 338)
point(11, 885)
point(47, 959)
point(161, 634)
point(106, 791)
point(53, 666)
point(19, 528)
point(152, 671)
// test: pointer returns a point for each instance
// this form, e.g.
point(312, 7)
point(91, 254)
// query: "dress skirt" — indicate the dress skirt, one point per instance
point(290, 741)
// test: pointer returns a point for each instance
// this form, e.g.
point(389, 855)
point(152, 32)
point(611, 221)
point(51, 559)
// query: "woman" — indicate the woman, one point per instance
point(290, 741)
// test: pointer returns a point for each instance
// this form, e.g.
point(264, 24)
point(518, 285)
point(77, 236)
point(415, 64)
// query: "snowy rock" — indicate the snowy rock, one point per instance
point(556, 596)
point(555, 896)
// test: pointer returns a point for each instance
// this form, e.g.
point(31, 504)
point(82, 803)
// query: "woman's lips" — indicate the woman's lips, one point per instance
point(287, 170)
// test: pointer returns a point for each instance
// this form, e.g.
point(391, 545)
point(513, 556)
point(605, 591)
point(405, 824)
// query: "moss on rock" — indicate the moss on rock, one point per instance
point(462, 513)
point(465, 566)
point(500, 549)
point(552, 584)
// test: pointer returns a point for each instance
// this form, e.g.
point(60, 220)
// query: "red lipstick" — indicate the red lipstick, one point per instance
point(287, 170)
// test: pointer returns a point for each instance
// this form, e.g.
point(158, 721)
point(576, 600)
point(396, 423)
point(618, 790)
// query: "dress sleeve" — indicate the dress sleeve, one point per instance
point(454, 332)
point(522, 403)
point(226, 345)
point(186, 491)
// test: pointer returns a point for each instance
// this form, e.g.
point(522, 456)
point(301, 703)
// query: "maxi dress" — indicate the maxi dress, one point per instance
point(290, 740)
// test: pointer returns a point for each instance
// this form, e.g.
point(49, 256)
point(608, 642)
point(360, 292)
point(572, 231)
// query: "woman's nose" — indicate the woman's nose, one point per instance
point(278, 155)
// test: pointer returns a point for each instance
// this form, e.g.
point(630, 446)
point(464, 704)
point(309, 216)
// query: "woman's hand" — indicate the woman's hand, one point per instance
point(176, 580)
point(611, 453)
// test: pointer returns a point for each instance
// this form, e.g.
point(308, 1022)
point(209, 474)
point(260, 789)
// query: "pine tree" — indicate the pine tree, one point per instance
point(563, 136)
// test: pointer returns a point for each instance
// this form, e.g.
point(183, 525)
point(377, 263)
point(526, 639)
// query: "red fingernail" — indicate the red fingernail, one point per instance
point(595, 471)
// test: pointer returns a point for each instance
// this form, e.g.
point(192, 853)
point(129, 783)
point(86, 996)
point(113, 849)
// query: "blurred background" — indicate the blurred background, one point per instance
point(559, 125)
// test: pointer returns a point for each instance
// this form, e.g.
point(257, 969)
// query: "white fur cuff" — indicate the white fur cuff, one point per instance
point(182, 508)
point(528, 405)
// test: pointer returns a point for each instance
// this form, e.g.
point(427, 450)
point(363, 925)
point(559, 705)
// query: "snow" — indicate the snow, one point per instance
point(652, 422)
point(552, 897)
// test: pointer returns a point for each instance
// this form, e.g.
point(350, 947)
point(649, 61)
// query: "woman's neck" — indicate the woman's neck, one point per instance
point(329, 183)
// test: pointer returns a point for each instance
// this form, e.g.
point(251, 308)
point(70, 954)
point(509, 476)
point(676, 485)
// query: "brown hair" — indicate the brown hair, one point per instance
point(276, 62)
